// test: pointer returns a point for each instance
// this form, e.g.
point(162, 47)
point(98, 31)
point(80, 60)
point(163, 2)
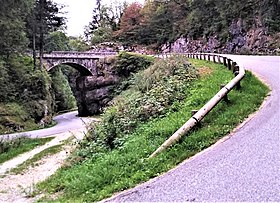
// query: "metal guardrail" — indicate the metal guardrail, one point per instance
point(239, 73)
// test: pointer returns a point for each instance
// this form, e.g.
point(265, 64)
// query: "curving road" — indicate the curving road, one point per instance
point(245, 167)
point(65, 122)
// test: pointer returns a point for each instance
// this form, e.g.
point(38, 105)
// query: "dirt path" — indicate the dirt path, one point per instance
point(17, 188)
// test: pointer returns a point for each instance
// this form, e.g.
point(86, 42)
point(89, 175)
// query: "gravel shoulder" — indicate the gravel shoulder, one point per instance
point(18, 188)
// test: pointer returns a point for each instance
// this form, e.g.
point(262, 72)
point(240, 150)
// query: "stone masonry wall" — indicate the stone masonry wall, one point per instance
point(94, 92)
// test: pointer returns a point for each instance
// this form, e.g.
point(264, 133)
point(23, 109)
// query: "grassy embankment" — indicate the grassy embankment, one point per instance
point(124, 163)
point(12, 148)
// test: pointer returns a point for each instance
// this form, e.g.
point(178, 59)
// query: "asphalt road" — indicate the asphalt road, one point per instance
point(65, 122)
point(243, 168)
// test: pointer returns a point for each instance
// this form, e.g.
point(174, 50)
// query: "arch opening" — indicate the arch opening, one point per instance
point(82, 69)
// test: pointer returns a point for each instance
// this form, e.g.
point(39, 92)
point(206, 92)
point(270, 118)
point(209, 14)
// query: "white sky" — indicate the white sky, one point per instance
point(79, 13)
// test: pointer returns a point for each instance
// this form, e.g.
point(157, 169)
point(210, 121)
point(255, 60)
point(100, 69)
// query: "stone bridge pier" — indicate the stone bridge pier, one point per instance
point(95, 87)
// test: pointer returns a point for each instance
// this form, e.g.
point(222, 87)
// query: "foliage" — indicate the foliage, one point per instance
point(152, 92)
point(105, 173)
point(25, 95)
point(43, 19)
point(129, 63)
point(105, 20)
point(159, 22)
point(57, 41)
point(12, 148)
point(14, 117)
point(77, 44)
point(12, 14)
point(101, 34)
point(129, 23)
point(64, 99)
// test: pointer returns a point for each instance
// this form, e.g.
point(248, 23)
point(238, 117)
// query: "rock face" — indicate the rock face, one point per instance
point(240, 41)
point(94, 92)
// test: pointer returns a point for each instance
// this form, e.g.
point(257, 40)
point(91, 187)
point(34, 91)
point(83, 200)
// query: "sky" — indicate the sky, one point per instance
point(79, 13)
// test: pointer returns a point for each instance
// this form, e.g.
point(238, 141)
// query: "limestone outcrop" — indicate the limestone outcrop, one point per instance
point(94, 92)
point(256, 40)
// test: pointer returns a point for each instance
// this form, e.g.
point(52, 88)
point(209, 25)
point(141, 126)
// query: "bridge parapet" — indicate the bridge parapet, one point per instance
point(77, 55)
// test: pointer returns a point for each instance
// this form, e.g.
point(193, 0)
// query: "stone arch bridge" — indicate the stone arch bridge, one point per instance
point(84, 62)
point(97, 79)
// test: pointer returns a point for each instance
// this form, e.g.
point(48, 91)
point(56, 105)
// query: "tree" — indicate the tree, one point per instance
point(105, 20)
point(57, 41)
point(77, 44)
point(43, 20)
point(130, 23)
point(12, 25)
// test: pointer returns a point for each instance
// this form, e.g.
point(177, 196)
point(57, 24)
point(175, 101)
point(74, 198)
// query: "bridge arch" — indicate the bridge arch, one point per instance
point(84, 71)
point(93, 90)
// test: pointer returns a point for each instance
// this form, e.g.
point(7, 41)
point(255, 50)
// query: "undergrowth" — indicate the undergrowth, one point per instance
point(152, 92)
point(12, 148)
point(103, 172)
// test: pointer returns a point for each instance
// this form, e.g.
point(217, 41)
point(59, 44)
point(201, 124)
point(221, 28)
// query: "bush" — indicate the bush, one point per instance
point(7, 145)
point(64, 99)
point(23, 89)
point(129, 63)
point(153, 91)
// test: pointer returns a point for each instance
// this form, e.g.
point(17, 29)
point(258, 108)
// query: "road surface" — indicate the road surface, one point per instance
point(65, 122)
point(244, 168)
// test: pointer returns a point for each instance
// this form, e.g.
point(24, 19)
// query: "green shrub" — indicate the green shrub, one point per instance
point(64, 99)
point(153, 91)
point(7, 145)
point(12, 148)
point(25, 90)
point(129, 63)
point(14, 117)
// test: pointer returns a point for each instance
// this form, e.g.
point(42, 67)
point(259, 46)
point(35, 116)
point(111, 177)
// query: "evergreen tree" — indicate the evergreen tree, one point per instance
point(43, 20)
point(12, 25)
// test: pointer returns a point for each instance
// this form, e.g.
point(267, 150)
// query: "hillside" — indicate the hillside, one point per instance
point(246, 27)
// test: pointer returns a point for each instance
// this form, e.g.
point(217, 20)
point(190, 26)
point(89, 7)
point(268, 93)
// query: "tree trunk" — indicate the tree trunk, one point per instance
point(41, 37)
point(41, 50)
point(34, 48)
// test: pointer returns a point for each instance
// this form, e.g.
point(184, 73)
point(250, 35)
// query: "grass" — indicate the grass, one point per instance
point(122, 168)
point(15, 147)
point(32, 162)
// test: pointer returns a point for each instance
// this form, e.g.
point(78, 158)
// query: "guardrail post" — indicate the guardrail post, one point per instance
point(208, 57)
point(219, 59)
point(214, 59)
point(235, 67)
point(225, 98)
point(238, 85)
point(229, 64)
point(199, 56)
point(225, 61)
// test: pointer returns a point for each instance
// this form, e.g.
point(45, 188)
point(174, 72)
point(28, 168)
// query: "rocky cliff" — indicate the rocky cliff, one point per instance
point(256, 40)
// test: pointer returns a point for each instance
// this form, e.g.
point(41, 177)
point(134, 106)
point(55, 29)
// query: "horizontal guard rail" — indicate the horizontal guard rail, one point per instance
point(197, 117)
